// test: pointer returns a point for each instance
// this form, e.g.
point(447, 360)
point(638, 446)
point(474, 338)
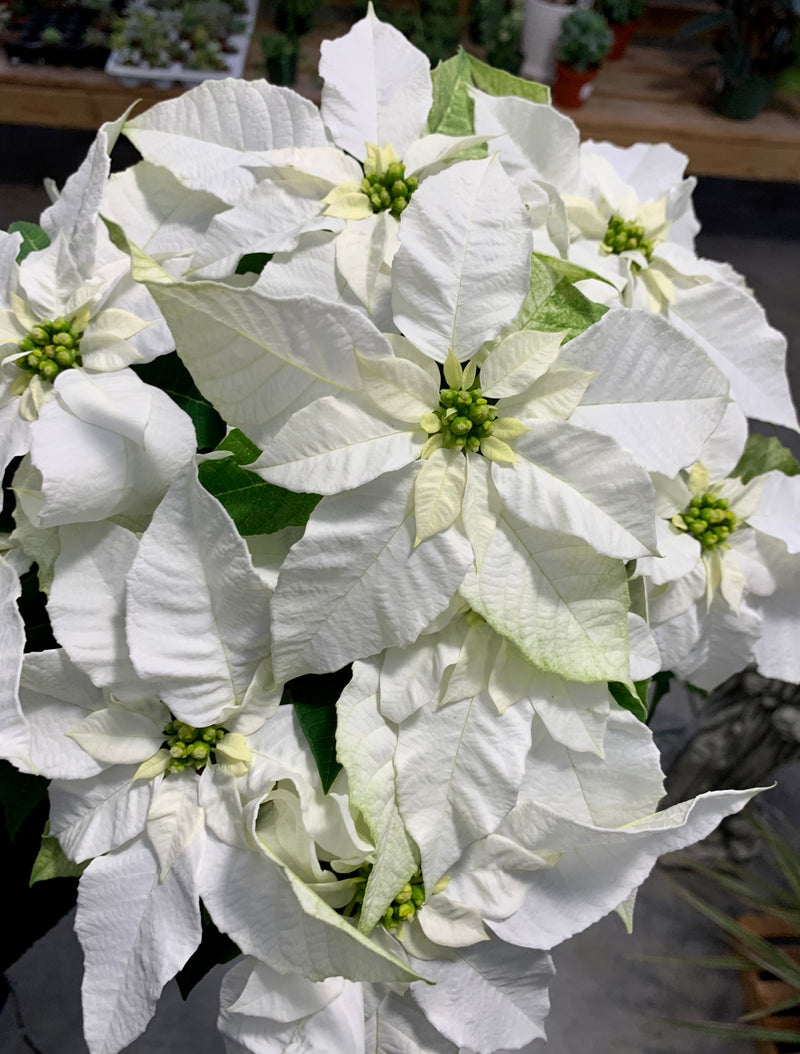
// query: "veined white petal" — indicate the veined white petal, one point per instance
point(377, 88)
point(355, 583)
point(334, 445)
point(438, 492)
point(463, 268)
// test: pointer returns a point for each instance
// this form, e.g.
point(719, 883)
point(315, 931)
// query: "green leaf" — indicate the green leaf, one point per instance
point(747, 1033)
point(170, 375)
point(452, 110)
point(776, 1008)
point(756, 949)
point(50, 862)
point(661, 686)
point(243, 449)
point(636, 704)
point(214, 948)
point(498, 82)
point(33, 238)
point(762, 454)
point(314, 699)
point(571, 271)
point(255, 506)
point(20, 793)
point(565, 309)
point(253, 263)
point(706, 962)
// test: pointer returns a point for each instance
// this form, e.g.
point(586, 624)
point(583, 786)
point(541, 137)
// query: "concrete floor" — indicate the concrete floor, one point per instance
point(605, 1000)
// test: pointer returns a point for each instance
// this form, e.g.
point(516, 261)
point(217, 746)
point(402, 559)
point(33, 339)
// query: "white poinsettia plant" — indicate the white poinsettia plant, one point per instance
point(370, 462)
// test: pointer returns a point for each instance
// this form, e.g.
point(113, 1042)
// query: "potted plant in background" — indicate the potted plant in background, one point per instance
point(497, 25)
point(756, 43)
point(622, 17)
point(543, 19)
point(764, 933)
point(280, 57)
point(583, 43)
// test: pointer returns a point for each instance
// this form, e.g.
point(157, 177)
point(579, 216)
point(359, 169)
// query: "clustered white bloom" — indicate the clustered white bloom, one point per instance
point(353, 618)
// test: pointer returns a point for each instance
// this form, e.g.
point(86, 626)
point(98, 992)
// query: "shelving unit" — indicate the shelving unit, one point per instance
point(655, 93)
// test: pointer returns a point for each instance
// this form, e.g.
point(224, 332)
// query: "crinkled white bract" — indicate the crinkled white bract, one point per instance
point(282, 177)
point(702, 600)
point(643, 184)
point(544, 470)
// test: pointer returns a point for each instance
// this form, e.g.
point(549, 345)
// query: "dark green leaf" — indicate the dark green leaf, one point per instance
point(758, 950)
point(243, 449)
point(498, 82)
point(776, 1008)
point(51, 862)
point(452, 110)
point(314, 699)
point(255, 506)
point(170, 375)
point(253, 263)
point(33, 238)
point(706, 962)
point(661, 686)
point(762, 454)
point(711, 20)
point(636, 704)
point(20, 793)
point(214, 948)
point(747, 1033)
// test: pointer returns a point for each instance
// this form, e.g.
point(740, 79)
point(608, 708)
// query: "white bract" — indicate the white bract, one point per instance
point(367, 678)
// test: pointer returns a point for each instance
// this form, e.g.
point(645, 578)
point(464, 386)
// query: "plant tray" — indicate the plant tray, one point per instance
point(22, 39)
point(762, 989)
point(163, 77)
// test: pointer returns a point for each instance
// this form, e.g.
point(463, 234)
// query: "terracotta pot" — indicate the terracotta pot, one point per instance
point(622, 37)
point(572, 88)
point(762, 989)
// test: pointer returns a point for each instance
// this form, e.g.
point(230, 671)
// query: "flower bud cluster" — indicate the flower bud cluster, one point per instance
point(623, 235)
point(52, 347)
point(466, 418)
point(710, 520)
point(191, 747)
point(391, 190)
point(403, 907)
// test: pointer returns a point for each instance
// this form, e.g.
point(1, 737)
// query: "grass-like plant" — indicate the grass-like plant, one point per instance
point(778, 897)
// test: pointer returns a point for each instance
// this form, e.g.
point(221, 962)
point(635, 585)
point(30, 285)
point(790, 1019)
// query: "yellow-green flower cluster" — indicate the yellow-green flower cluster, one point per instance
point(52, 347)
point(626, 234)
point(466, 418)
point(191, 747)
point(403, 907)
point(709, 519)
point(392, 190)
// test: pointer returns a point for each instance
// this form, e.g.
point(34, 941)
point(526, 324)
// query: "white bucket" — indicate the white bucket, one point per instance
point(539, 37)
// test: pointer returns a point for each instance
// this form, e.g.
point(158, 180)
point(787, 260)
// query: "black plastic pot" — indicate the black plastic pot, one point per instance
point(743, 100)
point(280, 58)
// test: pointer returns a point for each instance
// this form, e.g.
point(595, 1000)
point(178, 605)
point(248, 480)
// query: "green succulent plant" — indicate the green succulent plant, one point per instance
point(584, 41)
point(620, 12)
point(51, 35)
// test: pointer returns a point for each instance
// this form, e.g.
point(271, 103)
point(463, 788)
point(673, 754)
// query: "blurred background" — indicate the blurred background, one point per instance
point(720, 80)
